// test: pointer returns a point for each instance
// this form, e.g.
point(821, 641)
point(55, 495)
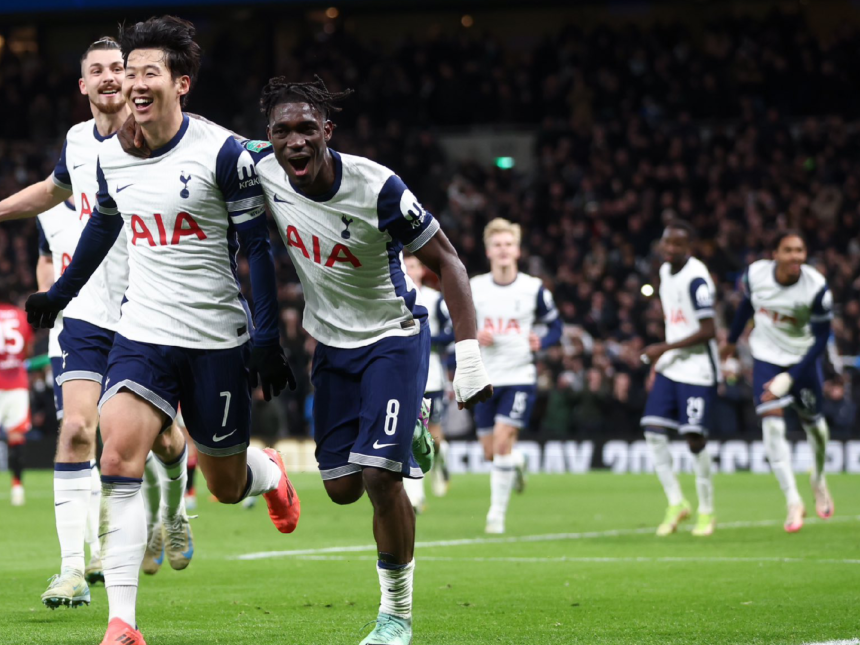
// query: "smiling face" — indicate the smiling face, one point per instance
point(149, 88)
point(299, 136)
point(102, 74)
point(790, 256)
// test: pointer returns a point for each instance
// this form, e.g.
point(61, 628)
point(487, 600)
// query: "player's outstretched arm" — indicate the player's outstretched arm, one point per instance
point(471, 383)
point(33, 200)
point(707, 331)
point(742, 316)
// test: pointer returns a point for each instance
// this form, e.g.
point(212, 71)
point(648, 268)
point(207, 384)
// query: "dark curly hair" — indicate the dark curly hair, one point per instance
point(174, 36)
point(278, 90)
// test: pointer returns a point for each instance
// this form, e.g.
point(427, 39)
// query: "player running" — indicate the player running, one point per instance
point(508, 304)
point(686, 375)
point(90, 321)
point(441, 335)
point(16, 339)
point(346, 221)
point(791, 305)
point(185, 328)
point(59, 231)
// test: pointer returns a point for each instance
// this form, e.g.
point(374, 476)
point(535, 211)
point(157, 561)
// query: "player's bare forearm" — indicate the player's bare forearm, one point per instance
point(44, 273)
point(441, 257)
point(33, 200)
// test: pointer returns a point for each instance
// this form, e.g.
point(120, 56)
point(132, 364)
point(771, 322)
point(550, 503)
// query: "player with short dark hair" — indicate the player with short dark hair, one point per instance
point(185, 331)
point(791, 306)
point(87, 336)
point(686, 376)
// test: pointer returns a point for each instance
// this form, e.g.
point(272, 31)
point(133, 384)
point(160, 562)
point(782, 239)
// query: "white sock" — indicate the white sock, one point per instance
point(704, 482)
point(415, 491)
point(501, 483)
point(662, 458)
point(71, 503)
point(94, 510)
point(152, 491)
point(123, 544)
point(173, 479)
point(818, 434)
point(778, 454)
point(263, 474)
point(396, 587)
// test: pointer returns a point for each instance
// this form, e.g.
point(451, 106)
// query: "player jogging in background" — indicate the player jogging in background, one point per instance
point(684, 388)
point(16, 339)
point(791, 306)
point(59, 231)
point(184, 334)
point(89, 325)
point(346, 221)
point(508, 304)
point(441, 335)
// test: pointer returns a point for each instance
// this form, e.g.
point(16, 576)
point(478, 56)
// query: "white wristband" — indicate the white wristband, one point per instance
point(781, 384)
point(471, 376)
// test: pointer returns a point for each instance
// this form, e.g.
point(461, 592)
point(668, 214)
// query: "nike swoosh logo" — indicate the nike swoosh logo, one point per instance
point(281, 201)
point(216, 438)
point(119, 190)
point(377, 445)
point(190, 552)
point(101, 535)
point(78, 166)
point(61, 503)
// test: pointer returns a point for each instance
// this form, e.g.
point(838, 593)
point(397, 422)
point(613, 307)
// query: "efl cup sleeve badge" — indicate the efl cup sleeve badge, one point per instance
point(411, 209)
point(256, 146)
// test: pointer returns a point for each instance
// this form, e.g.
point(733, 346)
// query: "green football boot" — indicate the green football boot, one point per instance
point(675, 514)
point(422, 441)
point(390, 630)
point(705, 525)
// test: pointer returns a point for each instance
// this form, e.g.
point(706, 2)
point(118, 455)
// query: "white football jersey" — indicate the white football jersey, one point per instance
point(181, 208)
point(439, 321)
point(59, 232)
point(509, 312)
point(99, 300)
point(347, 247)
point(688, 297)
point(783, 314)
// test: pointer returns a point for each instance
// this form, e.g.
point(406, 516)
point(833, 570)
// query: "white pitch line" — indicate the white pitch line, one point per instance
point(597, 560)
point(551, 537)
point(853, 641)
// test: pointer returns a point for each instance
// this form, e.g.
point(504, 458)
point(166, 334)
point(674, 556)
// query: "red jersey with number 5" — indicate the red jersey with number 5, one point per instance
point(16, 336)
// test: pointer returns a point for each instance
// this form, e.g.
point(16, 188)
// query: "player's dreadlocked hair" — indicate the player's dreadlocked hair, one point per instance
point(174, 36)
point(278, 90)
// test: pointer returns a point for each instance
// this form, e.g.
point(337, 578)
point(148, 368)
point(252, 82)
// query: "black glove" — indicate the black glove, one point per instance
point(270, 364)
point(42, 310)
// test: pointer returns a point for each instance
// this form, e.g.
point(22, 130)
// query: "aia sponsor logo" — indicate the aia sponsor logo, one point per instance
point(338, 253)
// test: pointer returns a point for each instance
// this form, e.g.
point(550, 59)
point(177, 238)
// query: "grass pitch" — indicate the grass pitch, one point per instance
point(579, 564)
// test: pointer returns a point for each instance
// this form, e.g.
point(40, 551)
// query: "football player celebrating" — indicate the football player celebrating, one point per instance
point(791, 306)
point(185, 330)
point(508, 304)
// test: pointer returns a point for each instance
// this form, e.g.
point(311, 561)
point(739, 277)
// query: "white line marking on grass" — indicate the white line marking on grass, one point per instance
point(597, 560)
point(551, 537)
point(853, 641)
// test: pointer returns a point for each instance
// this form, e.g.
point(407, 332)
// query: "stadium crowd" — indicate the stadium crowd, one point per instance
point(742, 130)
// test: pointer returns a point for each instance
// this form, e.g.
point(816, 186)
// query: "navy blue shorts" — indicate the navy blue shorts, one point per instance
point(57, 369)
point(510, 404)
point(679, 406)
point(805, 394)
point(211, 384)
point(366, 404)
point(85, 350)
point(437, 405)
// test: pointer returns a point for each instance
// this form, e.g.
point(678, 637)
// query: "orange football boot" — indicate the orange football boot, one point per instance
point(284, 505)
